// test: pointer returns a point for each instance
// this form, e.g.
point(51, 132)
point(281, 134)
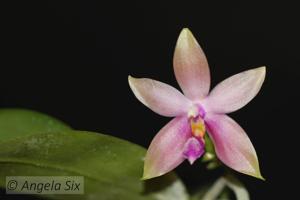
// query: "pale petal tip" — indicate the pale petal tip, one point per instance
point(261, 177)
point(149, 172)
point(262, 70)
point(146, 175)
point(144, 178)
point(254, 170)
point(261, 74)
point(185, 32)
point(256, 173)
point(132, 82)
point(130, 78)
point(149, 175)
point(152, 172)
point(185, 37)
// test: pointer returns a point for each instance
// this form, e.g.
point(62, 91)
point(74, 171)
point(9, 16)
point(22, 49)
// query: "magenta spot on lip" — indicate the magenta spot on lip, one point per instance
point(193, 149)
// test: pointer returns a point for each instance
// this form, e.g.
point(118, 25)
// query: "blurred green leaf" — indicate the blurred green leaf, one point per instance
point(33, 144)
point(112, 167)
point(20, 122)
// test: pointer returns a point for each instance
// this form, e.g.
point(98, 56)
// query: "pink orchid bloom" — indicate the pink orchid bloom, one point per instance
point(198, 111)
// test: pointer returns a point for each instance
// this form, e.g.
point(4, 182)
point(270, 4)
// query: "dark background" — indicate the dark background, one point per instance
point(71, 60)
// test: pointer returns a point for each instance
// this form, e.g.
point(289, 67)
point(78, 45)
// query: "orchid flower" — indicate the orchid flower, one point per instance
point(197, 112)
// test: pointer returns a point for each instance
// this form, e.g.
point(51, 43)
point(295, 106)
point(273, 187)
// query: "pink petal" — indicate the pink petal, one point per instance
point(166, 149)
point(191, 67)
point(159, 97)
point(232, 145)
point(235, 91)
point(193, 149)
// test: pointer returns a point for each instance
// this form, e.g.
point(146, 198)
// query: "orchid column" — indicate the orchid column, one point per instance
point(197, 111)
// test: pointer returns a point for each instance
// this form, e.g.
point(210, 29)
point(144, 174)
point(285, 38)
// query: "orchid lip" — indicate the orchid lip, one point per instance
point(193, 149)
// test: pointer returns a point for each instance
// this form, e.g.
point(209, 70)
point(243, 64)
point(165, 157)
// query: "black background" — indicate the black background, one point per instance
point(71, 60)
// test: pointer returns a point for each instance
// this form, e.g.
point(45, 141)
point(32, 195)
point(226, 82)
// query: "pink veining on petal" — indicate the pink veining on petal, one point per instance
point(232, 145)
point(191, 67)
point(193, 149)
point(166, 149)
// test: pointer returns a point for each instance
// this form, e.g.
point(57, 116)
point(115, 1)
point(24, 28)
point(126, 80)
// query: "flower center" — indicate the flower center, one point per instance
point(196, 116)
point(194, 148)
point(198, 127)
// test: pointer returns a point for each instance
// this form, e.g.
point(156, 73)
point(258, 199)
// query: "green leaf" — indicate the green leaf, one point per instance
point(33, 144)
point(20, 122)
point(112, 167)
